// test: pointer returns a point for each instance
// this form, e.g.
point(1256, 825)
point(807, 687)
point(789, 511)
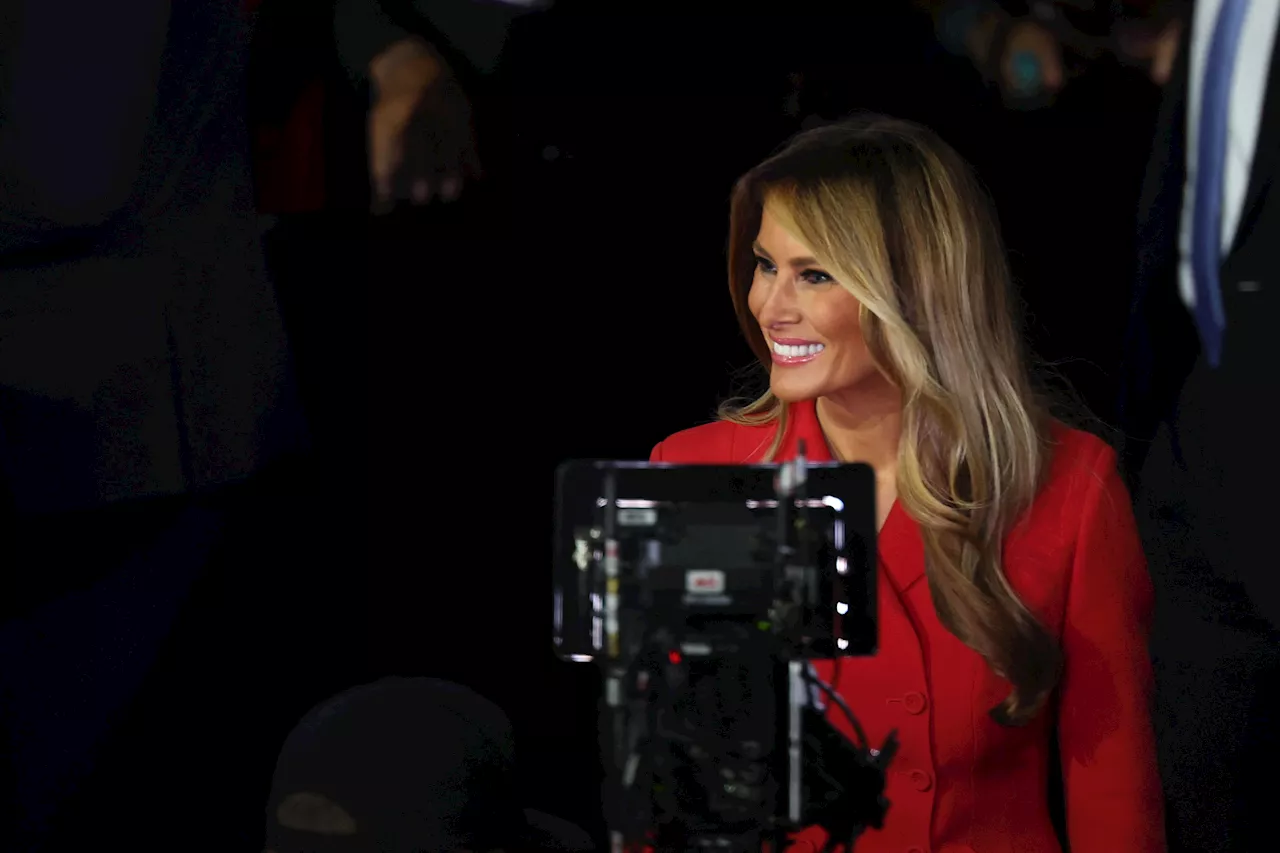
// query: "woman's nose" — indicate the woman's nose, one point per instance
point(778, 305)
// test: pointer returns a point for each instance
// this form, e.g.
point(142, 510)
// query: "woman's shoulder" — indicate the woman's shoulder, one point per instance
point(1082, 477)
point(1078, 454)
point(716, 443)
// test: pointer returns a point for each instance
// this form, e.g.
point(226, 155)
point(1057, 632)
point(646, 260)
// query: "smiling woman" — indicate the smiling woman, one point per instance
point(868, 275)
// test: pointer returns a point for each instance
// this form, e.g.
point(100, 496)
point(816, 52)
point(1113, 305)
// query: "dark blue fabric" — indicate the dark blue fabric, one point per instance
point(69, 669)
point(64, 86)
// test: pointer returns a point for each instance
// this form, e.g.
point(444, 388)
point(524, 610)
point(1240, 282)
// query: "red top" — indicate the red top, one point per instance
point(961, 783)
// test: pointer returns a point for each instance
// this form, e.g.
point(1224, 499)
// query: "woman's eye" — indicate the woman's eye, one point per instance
point(815, 277)
point(764, 264)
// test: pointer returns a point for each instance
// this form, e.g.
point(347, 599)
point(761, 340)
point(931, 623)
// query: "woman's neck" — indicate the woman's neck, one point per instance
point(864, 425)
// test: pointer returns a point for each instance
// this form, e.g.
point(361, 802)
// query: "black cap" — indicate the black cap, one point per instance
point(421, 765)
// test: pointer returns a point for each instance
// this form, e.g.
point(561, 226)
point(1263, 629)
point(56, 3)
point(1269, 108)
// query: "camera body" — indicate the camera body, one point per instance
point(703, 591)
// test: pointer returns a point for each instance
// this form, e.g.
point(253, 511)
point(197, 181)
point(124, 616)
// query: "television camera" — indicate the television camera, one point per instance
point(703, 592)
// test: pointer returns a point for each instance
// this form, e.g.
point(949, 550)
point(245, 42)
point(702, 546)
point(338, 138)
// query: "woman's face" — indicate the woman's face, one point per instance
point(809, 321)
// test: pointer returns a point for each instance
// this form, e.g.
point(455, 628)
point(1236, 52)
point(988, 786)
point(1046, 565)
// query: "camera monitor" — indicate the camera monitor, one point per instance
point(681, 546)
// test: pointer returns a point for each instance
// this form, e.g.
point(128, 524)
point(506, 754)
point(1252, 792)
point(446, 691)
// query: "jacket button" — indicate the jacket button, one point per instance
point(920, 780)
point(915, 703)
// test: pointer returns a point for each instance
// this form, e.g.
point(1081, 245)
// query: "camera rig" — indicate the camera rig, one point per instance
point(703, 592)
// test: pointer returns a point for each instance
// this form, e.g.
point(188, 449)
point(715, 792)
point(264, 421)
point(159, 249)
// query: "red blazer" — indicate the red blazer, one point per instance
point(961, 783)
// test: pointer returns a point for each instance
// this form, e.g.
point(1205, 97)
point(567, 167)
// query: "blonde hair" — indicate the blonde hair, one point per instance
point(898, 218)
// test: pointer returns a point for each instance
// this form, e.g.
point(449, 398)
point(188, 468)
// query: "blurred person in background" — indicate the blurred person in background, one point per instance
point(1031, 50)
point(1026, 52)
point(358, 105)
point(147, 410)
point(406, 765)
point(155, 479)
point(1200, 364)
point(421, 58)
point(420, 65)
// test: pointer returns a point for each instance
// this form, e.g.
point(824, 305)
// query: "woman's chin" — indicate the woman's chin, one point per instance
point(789, 392)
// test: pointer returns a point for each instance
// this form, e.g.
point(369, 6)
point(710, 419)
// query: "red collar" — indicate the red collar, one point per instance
point(901, 550)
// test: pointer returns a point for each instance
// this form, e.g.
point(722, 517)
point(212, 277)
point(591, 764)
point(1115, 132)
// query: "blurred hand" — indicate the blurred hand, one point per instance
point(1020, 57)
point(1166, 52)
point(421, 139)
point(1031, 65)
point(1157, 52)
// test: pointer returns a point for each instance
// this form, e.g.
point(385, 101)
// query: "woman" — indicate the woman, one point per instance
point(868, 275)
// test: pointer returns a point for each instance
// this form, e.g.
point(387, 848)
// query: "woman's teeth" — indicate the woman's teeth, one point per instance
point(797, 351)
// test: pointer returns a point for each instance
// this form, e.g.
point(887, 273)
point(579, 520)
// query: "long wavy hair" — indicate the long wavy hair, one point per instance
point(902, 223)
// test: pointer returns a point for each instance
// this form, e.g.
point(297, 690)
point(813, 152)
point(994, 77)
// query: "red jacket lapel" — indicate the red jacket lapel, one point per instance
point(900, 547)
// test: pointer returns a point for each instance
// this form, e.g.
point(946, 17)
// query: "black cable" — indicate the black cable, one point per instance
point(839, 700)
point(829, 691)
